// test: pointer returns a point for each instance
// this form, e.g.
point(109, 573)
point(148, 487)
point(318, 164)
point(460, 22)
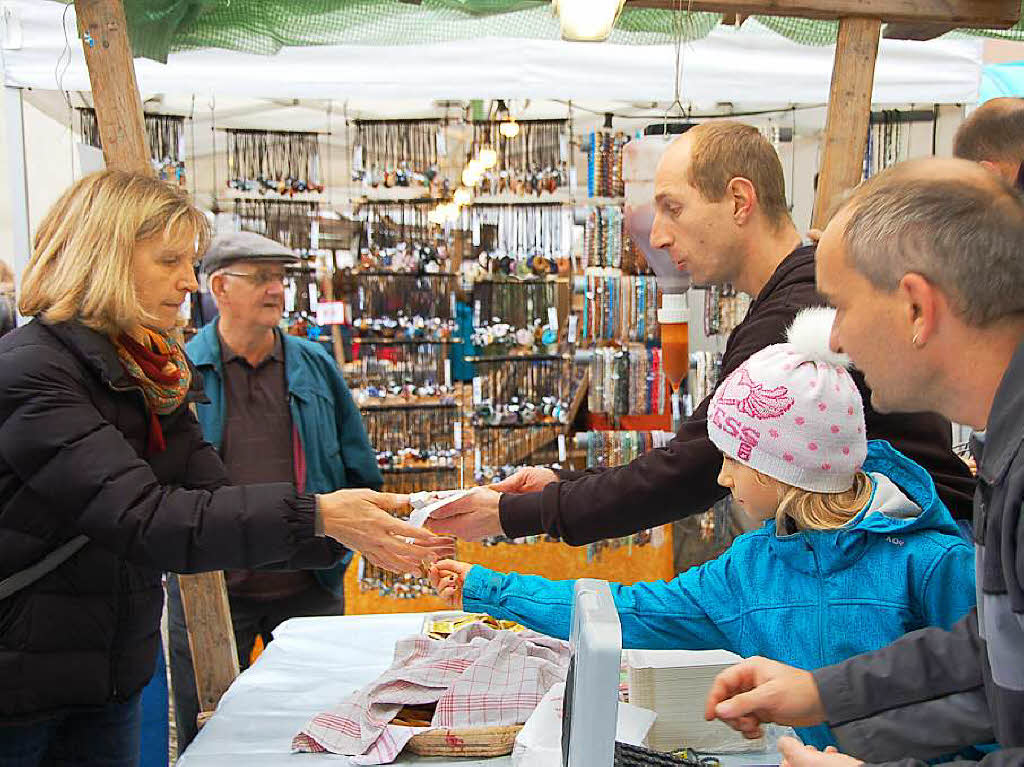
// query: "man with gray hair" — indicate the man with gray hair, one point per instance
point(924, 267)
point(278, 411)
point(994, 136)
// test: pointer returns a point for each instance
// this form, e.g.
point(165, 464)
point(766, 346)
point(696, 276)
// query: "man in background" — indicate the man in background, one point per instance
point(278, 411)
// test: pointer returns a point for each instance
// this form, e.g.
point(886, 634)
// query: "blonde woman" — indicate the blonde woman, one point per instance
point(105, 480)
point(856, 549)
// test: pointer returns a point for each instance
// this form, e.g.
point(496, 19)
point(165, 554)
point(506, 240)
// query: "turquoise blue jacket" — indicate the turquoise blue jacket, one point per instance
point(334, 441)
point(808, 599)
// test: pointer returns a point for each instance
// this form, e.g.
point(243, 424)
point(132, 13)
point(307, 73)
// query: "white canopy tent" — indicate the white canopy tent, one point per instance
point(750, 65)
point(731, 70)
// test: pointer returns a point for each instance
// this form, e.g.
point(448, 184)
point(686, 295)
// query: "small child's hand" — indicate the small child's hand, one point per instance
point(447, 577)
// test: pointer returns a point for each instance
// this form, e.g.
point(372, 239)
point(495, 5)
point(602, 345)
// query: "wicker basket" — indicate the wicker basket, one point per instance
point(465, 741)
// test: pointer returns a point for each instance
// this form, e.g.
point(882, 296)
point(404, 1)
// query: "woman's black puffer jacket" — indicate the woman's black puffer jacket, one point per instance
point(73, 431)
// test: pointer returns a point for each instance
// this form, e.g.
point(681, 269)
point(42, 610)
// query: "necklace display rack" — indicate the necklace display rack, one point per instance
point(276, 163)
point(400, 153)
point(889, 138)
point(164, 133)
point(398, 236)
point(535, 162)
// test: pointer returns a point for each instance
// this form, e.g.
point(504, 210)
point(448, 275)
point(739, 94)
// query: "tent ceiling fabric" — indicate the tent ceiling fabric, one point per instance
point(750, 65)
point(159, 27)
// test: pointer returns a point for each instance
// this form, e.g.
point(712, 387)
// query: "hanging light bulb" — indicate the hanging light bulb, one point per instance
point(463, 196)
point(509, 128)
point(488, 158)
point(472, 174)
point(587, 20)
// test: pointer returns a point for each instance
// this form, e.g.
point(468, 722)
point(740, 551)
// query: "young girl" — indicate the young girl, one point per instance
point(848, 559)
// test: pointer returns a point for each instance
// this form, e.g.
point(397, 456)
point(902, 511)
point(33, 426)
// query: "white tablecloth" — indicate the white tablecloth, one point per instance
point(311, 665)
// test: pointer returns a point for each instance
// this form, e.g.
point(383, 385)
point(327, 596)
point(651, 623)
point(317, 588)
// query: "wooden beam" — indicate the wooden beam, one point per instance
point(108, 54)
point(210, 636)
point(849, 111)
point(994, 14)
point(914, 31)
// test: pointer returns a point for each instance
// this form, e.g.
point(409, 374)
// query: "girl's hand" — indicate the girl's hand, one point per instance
point(447, 577)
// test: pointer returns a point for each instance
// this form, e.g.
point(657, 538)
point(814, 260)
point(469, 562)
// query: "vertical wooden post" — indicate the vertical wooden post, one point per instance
point(849, 111)
point(211, 636)
point(108, 55)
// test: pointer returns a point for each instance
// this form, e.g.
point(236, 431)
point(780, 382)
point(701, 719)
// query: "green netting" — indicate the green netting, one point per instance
point(158, 27)
point(803, 31)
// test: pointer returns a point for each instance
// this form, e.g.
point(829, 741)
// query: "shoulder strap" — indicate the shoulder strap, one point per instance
point(15, 583)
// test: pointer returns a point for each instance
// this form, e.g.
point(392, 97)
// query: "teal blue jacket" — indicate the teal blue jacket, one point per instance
point(809, 599)
point(336, 448)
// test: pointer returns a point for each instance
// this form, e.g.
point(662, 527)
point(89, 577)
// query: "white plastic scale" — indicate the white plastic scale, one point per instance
point(591, 704)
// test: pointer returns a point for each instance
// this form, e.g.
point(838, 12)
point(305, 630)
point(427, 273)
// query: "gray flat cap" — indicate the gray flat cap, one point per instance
point(244, 246)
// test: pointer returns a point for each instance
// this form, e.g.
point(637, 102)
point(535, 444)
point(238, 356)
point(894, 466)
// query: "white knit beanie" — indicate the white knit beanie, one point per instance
point(792, 411)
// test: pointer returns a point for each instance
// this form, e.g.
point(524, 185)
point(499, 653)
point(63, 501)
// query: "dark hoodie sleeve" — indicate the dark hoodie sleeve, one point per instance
point(88, 477)
point(658, 487)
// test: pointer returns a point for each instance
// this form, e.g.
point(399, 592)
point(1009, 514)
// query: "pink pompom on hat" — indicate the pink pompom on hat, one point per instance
point(793, 412)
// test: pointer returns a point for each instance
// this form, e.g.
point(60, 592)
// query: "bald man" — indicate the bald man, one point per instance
point(994, 136)
point(721, 213)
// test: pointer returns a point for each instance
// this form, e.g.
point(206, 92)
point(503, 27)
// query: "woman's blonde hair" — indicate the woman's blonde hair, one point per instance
point(6, 274)
point(81, 265)
point(822, 511)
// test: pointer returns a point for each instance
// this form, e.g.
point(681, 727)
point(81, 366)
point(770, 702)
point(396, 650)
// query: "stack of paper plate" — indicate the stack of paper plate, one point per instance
point(674, 684)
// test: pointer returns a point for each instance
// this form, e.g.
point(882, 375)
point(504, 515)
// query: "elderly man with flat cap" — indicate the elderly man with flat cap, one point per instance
point(278, 411)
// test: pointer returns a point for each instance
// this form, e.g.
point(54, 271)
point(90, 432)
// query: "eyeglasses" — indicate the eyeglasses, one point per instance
point(260, 276)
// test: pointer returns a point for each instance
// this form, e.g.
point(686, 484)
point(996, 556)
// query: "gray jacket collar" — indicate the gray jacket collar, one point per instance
point(1005, 423)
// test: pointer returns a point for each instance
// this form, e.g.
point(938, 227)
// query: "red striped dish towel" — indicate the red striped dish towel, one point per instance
point(479, 677)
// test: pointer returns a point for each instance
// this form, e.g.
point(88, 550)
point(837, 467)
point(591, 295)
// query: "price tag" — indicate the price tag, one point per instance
point(476, 313)
point(357, 158)
point(675, 409)
point(451, 297)
point(289, 298)
point(476, 231)
point(313, 296)
point(442, 144)
point(573, 322)
point(572, 180)
point(553, 319)
point(448, 372)
point(478, 385)
point(458, 435)
point(563, 147)
point(477, 464)
point(314, 235)
point(561, 448)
